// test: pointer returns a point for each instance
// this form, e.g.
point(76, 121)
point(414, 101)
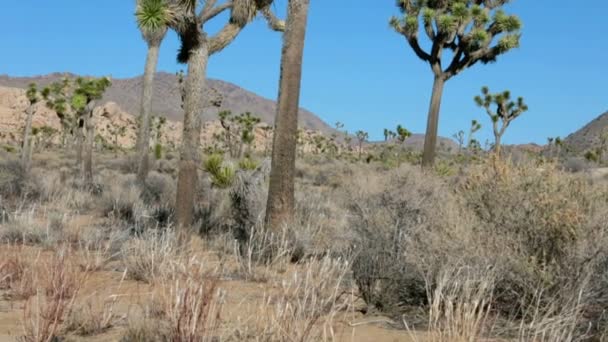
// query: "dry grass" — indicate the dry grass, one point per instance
point(303, 308)
point(460, 306)
point(148, 256)
point(95, 316)
point(56, 290)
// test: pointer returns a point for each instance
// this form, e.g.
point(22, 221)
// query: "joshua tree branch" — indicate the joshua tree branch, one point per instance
point(209, 4)
point(212, 12)
point(224, 37)
point(412, 39)
point(274, 22)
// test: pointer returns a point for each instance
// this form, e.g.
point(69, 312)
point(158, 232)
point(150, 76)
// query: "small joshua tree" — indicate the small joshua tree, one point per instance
point(506, 111)
point(33, 96)
point(473, 31)
point(247, 123)
point(459, 136)
point(362, 137)
point(402, 134)
point(117, 132)
point(473, 144)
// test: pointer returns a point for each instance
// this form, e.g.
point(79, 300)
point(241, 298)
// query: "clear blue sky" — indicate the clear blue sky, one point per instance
point(356, 69)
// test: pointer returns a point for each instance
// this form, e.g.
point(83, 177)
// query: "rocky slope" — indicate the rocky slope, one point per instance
point(588, 137)
point(126, 93)
point(109, 119)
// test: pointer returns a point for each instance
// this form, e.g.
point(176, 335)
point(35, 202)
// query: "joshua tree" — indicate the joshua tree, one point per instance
point(506, 111)
point(280, 209)
point(33, 96)
point(473, 30)
point(188, 20)
point(117, 132)
point(84, 101)
point(55, 96)
point(247, 124)
point(152, 16)
point(74, 103)
point(361, 138)
point(459, 136)
point(475, 127)
point(44, 135)
point(402, 134)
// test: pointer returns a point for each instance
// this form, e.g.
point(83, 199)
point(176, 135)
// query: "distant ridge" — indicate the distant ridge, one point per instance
point(167, 101)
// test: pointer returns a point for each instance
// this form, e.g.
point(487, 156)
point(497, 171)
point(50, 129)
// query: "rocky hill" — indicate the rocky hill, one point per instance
point(588, 137)
point(126, 93)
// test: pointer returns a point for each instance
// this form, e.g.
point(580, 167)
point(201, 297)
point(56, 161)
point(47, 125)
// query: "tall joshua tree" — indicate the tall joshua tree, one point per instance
point(152, 16)
point(506, 111)
point(188, 20)
point(280, 209)
point(472, 30)
point(33, 97)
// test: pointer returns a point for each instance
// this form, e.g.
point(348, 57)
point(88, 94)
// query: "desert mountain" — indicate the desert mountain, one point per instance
point(126, 93)
point(588, 137)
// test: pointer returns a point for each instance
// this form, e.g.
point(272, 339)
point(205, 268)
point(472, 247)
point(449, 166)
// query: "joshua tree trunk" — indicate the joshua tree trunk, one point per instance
point(143, 136)
point(89, 145)
point(281, 201)
point(190, 154)
point(430, 139)
point(79, 144)
point(27, 143)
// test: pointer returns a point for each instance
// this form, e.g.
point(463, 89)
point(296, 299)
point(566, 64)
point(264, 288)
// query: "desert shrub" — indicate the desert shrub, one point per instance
point(146, 257)
point(550, 229)
point(540, 230)
point(122, 201)
point(15, 182)
point(248, 203)
point(158, 189)
point(401, 219)
point(23, 228)
point(576, 164)
point(166, 166)
point(213, 211)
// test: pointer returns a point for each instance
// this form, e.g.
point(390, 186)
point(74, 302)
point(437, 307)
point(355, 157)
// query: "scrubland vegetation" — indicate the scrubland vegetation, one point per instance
point(490, 249)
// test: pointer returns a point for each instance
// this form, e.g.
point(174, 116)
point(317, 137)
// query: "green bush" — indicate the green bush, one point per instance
point(224, 177)
point(158, 151)
point(213, 163)
point(248, 164)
